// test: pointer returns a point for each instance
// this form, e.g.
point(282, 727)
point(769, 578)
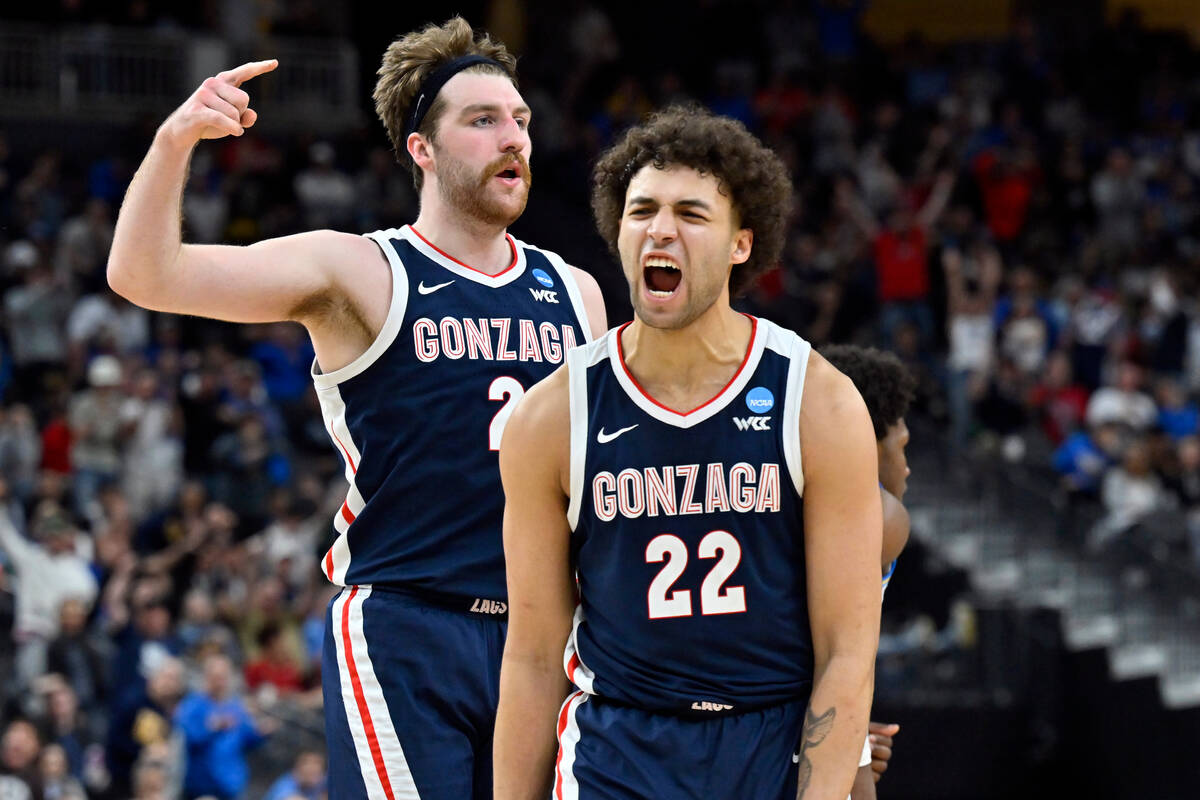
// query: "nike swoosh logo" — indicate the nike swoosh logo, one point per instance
point(423, 289)
point(605, 438)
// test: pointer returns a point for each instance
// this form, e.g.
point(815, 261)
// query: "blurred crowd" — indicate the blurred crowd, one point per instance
point(1017, 219)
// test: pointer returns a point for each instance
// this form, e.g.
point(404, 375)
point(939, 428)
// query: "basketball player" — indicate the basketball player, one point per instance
point(712, 483)
point(887, 388)
point(425, 338)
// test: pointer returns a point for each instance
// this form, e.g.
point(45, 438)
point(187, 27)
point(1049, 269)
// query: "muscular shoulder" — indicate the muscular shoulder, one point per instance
point(829, 396)
point(348, 308)
point(834, 422)
point(593, 301)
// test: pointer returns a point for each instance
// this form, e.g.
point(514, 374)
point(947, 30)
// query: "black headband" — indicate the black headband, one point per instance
point(434, 82)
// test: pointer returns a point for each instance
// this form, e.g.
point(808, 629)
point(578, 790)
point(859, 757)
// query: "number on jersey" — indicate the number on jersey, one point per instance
point(715, 597)
point(503, 388)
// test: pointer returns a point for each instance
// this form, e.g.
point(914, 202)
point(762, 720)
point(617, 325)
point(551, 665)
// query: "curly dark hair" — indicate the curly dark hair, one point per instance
point(750, 174)
point(886, 385)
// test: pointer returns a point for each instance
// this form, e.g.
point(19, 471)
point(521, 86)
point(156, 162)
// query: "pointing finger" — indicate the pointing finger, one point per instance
point(239, 75)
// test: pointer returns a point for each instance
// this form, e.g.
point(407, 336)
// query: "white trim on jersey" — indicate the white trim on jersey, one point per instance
point(579, 360)
point(572, 286)
point(333, 412)
point(694, 417)
point(381, 759)
point(565, 785)
point(391, 325)
point(577, 672)
point(427, 249)
point(801, 351)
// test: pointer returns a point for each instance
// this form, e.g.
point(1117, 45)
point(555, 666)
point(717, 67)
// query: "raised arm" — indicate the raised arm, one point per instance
point(935, 204)
point(842, 543)
point(300, 277)
point(847, 200)
point(534, 456)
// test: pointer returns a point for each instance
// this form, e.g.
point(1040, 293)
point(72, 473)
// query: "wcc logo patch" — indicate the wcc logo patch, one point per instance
point(544, 295)
point(760, 401)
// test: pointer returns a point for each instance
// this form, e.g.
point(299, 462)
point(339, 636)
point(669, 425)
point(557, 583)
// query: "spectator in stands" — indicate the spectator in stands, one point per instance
point(96, 431)
point(971, 284)
point(275, 665)
point(1084, 456)
point(20, 451)
point(152, 470)
point(143, 722)
point(306, 779)
point(326, 194)
point(19, 748)
point(219, 731)
point(106, 322)
point(1123, 403)
point(1178, 416)
point(83, 247)
point(1024, 323)
point(77, 733)
point(77, 656)
point(1130, 491)
point(144, 637)
point(35, 314)
point(1118, 194)
point(48, 572)
point(1060, 402)
point(57, 782)
point(901, 250)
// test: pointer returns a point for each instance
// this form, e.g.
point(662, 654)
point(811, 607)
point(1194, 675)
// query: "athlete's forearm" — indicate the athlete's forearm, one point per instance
point(147, 239)
point(531, 694)
point(834, 728)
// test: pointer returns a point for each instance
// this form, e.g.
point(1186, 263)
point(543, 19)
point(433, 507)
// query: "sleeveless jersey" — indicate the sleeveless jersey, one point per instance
point(417, 418)
point(688, 535)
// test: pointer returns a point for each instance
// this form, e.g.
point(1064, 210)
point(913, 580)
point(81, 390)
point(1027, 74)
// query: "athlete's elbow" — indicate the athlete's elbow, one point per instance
point(131, 282)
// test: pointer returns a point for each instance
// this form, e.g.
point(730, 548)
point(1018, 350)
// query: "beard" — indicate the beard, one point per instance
point(471, 194)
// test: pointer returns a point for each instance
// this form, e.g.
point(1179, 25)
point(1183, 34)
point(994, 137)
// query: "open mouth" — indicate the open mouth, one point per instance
point(661, 276)
point(510, 173)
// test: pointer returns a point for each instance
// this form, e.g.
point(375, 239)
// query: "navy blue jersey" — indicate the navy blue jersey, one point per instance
point(417, 418)
point(688, 535)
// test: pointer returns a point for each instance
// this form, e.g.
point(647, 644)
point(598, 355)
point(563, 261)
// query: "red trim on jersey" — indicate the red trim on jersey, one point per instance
point(511, 244)
point(562, 726)
point(573, 665)
point(349, 460)
point(347, 514)
point(361, 700)
point(714, 398)
point(329, 563)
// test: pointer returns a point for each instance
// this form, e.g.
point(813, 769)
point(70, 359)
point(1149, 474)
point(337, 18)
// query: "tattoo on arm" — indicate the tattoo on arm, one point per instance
point(816, 728)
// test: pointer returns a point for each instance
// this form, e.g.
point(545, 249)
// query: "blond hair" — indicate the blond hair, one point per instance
point(411, 58)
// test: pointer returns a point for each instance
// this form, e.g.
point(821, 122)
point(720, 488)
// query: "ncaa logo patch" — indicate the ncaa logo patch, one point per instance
point(542, 278)
point(760, 400)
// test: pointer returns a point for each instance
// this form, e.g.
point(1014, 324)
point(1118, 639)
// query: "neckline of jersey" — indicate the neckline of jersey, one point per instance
point(507, 236)
point(750, 350)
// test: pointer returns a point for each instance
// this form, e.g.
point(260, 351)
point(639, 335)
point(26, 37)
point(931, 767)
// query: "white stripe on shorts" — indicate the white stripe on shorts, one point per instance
point(381, 760)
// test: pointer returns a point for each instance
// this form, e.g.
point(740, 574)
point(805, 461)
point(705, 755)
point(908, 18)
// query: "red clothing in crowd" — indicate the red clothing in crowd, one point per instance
point(283, 675)
point(1006, 195)
point(1062, 410)
point(902, 264)
point(56, 446)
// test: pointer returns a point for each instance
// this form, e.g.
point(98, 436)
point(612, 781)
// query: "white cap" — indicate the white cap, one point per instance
point(104, 370)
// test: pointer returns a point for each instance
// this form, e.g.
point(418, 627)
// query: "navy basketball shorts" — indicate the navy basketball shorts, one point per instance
point(612, 752)
point(410, 697)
